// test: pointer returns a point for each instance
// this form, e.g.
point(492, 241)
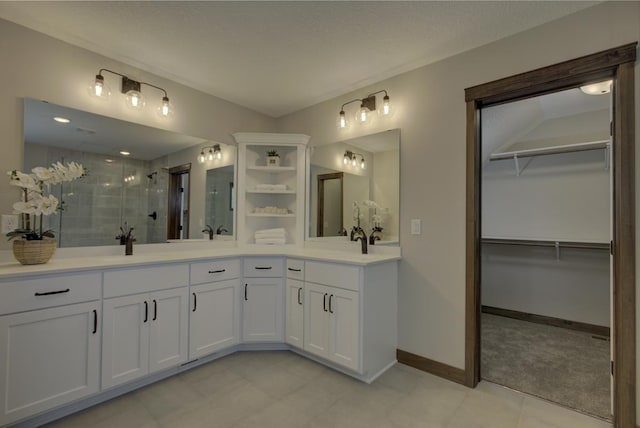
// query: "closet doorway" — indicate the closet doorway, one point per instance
point(616, 64)
point(545, 237)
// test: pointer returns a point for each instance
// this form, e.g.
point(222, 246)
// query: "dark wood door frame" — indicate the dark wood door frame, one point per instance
point(616, 64)
point(174, 206)
point(320, 218)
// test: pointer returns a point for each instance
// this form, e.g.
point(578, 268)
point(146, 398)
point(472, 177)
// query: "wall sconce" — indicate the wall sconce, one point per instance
point(351, 158)
point(215, 152)
point(132, 89)
point(367, 106)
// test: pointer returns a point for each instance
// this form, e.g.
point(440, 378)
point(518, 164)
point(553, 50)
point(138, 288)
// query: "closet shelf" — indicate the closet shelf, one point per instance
point(272, 168)
point(547, 243)
point(568, 148)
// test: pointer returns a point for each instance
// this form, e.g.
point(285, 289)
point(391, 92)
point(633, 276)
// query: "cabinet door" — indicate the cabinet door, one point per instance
point(316, 319)
point(262, 310)
point(344, 328)
point(168, 328)
point(125, 339)
point(214, 317)
point(294, 313)
point(48, 357)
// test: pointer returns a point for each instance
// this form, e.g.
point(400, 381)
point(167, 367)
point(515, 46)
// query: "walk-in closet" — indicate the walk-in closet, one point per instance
point(545, 247)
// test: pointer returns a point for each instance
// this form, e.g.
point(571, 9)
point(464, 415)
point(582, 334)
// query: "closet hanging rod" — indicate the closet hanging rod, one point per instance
point(547, 243)
point(567, 148)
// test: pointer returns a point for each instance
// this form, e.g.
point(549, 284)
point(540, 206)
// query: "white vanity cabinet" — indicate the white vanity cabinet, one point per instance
point(214, 318)
point(271, 196)
point(146, 331)
point(350, 315)
point(262, 311)
point(50, 349)
point(294, 311)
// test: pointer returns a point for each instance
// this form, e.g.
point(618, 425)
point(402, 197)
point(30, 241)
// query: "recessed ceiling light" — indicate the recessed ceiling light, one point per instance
point(125, 153)
point(61, 119)
point(599, 88)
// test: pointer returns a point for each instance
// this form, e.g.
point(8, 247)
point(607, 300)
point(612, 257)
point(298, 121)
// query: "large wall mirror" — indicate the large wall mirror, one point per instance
point(160, 177)
point(355, 182)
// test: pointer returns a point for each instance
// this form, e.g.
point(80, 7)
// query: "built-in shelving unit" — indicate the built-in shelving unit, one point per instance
point(255, 178)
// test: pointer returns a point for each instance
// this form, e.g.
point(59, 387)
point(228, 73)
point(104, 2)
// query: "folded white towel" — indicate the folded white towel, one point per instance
point(271, 241)
point(270, 236)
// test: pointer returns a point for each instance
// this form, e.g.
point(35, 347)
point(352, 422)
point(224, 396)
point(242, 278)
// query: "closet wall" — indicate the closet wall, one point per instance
point(559, 197)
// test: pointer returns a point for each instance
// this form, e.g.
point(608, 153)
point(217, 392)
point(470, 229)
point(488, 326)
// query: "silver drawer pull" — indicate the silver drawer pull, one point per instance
point(49, 293)
point(217, 271)
point(263, 267)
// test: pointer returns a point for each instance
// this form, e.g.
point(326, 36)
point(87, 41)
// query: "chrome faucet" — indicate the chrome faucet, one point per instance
point(221, 229)
point(363, 239)
point(209, 230)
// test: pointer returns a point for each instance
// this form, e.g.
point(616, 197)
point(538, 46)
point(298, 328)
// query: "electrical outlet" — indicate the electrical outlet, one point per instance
point(9, 223)
point(416, 226)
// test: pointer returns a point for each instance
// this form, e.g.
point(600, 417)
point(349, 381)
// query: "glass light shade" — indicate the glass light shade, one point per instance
point(166, 108)
point(362, 115)
point(210, 155)
point(342, 123)
point(201, 157)
point(385, 109)
point(346, 159)
point(354, 162)
point(599, 88)
point(135, 100)
point(362, 164)
point(98, 89)
point(218, 154)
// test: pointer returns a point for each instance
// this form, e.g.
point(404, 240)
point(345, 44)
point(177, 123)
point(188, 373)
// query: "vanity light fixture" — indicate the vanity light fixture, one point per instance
point(367, 106)
point(131, 89)
point(214, 152)
point(351, 158)
point(599, 88)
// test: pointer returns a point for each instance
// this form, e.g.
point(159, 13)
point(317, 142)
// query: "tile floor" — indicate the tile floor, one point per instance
point(282, 389)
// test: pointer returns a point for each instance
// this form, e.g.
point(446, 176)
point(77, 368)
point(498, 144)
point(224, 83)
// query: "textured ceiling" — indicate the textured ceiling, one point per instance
point(280, 57)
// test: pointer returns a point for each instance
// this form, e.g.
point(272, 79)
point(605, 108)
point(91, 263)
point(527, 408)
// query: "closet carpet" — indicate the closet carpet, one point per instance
point(565, 366)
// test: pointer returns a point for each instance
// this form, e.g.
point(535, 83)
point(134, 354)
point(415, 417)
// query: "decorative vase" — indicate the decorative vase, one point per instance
point(33, 252)
point(273, 160)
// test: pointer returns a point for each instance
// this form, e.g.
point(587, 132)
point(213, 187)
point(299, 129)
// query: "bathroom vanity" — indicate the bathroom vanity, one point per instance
point(80, 330)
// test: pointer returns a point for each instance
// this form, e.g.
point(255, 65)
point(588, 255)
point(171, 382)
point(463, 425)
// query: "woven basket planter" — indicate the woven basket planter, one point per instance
point(33, 252)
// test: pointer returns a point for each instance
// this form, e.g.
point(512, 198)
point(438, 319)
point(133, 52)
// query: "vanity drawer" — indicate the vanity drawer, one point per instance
point(52, 290)
point(123, 282)
point(334, 274)
point(295, 269)
point(215, 270)
point(263, 267)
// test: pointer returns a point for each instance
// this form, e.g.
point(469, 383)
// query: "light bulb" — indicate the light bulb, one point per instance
point(98, 89)
point(342, 120)
point(386, 106)
point(354, 162)
point(218, 154)
point(210, 155)
point(363, 113)
point(165, 109)
point(362, 164)
point(201, 157)
point(135, 99)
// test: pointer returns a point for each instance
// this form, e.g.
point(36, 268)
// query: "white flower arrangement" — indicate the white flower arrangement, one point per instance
point(34, 201)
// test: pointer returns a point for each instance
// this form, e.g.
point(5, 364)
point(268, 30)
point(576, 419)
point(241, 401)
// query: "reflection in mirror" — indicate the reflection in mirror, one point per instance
point(341, 188)
point(118, 188)
point(220, 201)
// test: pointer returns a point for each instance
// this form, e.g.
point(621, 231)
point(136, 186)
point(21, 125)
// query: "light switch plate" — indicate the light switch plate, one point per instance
point(416, 226)
point(9, 223)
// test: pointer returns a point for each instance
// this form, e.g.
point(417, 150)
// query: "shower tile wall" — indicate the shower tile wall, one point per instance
point(157, 199)
point(96, 206)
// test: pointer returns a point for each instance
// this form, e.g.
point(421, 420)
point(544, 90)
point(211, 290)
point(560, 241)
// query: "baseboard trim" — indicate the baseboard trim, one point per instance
point(543, 319)
point(442, 370)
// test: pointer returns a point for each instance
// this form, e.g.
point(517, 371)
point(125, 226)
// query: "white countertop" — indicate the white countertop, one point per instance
point(74, 260)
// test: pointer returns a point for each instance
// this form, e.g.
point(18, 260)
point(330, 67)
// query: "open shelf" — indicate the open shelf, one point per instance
point(273, 192)
point(271, 168)
point(270, 215)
